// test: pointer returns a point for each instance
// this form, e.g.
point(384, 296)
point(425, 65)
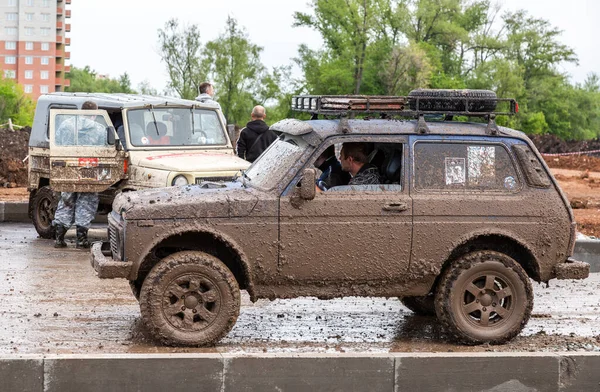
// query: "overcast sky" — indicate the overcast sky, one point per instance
point(117, 36)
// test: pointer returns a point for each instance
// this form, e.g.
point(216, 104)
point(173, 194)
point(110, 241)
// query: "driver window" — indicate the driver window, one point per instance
point(359, 166)
point(80, 130)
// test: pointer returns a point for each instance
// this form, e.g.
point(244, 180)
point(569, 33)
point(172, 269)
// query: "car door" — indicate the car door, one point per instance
point(461, 188)
point(83, 154)
point(356, 234)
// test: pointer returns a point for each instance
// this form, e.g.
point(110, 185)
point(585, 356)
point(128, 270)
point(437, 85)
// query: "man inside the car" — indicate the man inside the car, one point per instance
point(332, 173)
point(354, 160)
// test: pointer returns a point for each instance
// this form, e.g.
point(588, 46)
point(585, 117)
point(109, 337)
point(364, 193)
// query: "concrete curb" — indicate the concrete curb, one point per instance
point(393, 372)
point(14, 211)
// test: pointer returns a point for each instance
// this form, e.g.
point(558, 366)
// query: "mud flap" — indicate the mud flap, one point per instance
point(572, 269)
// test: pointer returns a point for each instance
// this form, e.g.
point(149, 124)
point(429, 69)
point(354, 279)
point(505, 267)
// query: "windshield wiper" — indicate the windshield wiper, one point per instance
point(155, 124)
point(193, 125)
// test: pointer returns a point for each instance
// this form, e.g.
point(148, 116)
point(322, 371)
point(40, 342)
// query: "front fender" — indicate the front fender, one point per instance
point(162, 236)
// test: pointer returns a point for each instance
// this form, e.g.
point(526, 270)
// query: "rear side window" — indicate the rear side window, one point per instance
point(464, 167)
point(534, 171)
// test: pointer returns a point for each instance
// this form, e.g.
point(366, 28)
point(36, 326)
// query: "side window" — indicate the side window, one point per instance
point(464, 167)
point(347, 166)
point(80, 130)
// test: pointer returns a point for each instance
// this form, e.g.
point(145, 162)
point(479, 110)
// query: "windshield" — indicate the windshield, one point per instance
point(175, 127)
point(268, 170)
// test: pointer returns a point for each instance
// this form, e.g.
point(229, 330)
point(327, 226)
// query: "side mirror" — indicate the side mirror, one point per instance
point(110, 135)
point(307, 187)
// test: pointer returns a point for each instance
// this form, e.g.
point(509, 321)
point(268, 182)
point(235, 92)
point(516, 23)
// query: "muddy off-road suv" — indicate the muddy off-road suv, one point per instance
point(150, 142)
point(465, 215)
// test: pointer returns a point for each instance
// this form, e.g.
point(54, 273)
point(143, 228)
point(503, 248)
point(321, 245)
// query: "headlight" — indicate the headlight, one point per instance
point(179, 181)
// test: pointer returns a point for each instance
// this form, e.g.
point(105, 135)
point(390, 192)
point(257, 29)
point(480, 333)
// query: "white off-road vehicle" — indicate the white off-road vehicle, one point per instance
point(150, 142)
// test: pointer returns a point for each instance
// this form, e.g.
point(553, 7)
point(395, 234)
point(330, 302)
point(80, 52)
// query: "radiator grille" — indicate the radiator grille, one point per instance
point(200, 180)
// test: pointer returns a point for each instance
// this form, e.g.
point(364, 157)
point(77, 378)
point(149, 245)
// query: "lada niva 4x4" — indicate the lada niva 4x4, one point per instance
point(465, 216)
point(150, 142)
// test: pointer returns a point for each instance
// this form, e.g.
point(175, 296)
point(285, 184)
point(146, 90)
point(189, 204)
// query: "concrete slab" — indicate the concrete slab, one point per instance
point(477, 372)
point(157, 373)
point(21, 374)
point(493, 372)
point(309, 373)
point(13, 212)
point(579, 373)
point(588, 251)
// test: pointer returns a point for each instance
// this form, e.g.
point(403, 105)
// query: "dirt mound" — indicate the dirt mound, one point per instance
point(13, 149)
point(550, 144)
point(574, 162)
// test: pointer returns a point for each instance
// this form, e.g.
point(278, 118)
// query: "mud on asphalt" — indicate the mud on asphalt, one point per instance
point(51, 302)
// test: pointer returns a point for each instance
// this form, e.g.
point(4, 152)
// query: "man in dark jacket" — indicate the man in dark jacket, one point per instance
point(255, 137)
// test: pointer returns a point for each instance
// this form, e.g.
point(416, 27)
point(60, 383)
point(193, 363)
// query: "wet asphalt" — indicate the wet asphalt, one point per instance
point(51, 302)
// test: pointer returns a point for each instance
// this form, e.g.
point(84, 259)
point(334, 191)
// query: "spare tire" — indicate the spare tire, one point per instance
point(484, 100)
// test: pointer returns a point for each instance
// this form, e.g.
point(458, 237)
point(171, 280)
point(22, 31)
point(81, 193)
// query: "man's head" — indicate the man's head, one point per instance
point(207, 88)
point(353, 156)
point(258, 113)
point(89, 105)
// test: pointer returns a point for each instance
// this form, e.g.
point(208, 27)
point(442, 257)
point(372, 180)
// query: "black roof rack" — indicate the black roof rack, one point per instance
point(344, 105)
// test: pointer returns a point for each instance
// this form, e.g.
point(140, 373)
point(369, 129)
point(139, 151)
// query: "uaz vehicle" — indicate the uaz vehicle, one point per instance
point(466, 215)
point(150, 142)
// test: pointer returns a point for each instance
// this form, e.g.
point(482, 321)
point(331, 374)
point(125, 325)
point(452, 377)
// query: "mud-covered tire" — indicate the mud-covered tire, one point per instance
point(189, 299)
point(44, 206)
point(483, 100)
point(135, 289)
point(421, 305)
point(484, 296)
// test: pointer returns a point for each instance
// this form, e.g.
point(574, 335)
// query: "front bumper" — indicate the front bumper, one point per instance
point(105, 265)
point(572, 269)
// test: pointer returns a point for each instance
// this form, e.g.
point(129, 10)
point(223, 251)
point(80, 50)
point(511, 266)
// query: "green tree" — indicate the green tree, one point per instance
point(233, 63)
point(349, 29)
point(407, 68)
point(145, 88)
point(181, 51)
point(87, 80)
point(15, 104)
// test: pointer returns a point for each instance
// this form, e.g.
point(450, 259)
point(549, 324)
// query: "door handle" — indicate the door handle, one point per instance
point(396, 207)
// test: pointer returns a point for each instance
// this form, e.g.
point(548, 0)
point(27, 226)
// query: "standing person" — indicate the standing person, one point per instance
point(207, 93)
point(256, 136)
point(78, 207)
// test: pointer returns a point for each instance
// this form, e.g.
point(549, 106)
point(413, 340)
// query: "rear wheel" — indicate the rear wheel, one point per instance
point(484, 296)
point(44, 206)
point(190, 299)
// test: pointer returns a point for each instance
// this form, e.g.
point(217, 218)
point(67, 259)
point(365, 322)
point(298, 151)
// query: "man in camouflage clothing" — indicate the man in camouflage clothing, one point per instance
point(354, 160)
point(78, 208)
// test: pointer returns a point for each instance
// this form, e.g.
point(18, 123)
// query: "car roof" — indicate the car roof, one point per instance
point(118, 100)
point(318, 130)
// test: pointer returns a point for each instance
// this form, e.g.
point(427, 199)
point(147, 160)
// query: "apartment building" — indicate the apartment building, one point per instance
point(33, 44)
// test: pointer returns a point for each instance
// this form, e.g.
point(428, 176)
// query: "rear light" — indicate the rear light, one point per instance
point(516, 107)
point(125, 166)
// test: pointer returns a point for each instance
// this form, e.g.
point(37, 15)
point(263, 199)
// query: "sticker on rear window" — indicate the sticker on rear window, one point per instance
point(455, 171)
point(482, 165)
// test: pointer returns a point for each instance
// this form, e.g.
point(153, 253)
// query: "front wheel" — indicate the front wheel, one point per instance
point(44, 206)
point(189, 299)
point(484, 296)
